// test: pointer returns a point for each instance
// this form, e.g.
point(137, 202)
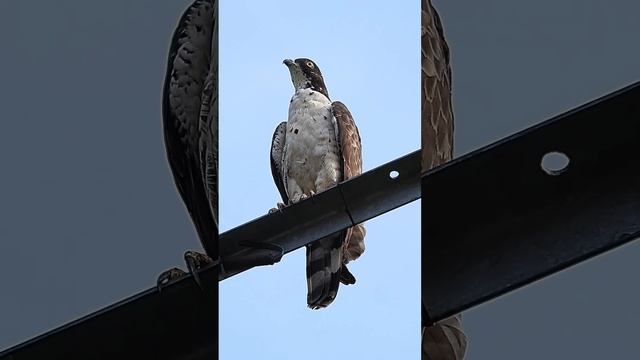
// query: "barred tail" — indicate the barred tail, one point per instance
point(324, 266)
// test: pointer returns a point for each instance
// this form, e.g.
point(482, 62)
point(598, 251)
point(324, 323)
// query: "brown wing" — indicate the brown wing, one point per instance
point(437, 115)
point(444, 340)
point(350, 144)
point(190, 117)
point(351, 150)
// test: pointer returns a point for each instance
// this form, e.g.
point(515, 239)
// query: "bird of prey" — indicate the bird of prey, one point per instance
point(315, 149)
point(190, 118)
point(444, 340)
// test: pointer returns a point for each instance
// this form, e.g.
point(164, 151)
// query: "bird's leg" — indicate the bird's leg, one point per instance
point(194, 260)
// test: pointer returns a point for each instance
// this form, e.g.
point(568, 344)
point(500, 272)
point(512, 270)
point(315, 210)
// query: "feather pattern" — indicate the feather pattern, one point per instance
point(190, 117)
point(437, 113)
point(444, 340)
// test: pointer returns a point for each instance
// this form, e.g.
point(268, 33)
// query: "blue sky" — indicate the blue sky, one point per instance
point(369, 55)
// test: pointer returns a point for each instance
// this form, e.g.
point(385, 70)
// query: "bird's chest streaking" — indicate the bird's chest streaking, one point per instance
point(311, 153)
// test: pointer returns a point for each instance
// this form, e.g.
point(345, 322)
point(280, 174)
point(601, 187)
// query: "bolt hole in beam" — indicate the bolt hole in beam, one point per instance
point(394, 174)
point(554, 163)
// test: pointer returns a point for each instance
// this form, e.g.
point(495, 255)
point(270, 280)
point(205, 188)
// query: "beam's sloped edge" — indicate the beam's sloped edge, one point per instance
point(494, 221)
point(181, 321)
point(176, 323)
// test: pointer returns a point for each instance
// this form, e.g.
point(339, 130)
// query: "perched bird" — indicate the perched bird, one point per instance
point(315, 149)
point(190, 117)
point(444, 340)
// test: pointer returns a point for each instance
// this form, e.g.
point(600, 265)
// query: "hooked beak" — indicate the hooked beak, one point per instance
point(289, 62)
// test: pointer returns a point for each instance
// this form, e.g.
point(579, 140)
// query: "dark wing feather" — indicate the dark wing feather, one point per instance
point(209, 124)
point(277, 148)
point(188, 84)
point(445, 340)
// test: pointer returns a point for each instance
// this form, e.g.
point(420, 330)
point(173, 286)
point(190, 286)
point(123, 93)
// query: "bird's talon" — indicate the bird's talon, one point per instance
point(272, 210)
point(192, 266)
point(169, 276)
point(195, 261)
point(298, 198)
point(278, 207)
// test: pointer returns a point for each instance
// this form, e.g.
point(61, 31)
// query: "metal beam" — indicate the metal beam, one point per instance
point(351, 202)
point(494, 221)
point(181, 322)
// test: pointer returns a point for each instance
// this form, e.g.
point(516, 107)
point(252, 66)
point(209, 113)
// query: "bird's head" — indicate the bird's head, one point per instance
point(306, 74)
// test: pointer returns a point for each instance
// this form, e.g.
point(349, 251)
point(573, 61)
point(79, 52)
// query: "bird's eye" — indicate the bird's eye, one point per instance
point(310, 64)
